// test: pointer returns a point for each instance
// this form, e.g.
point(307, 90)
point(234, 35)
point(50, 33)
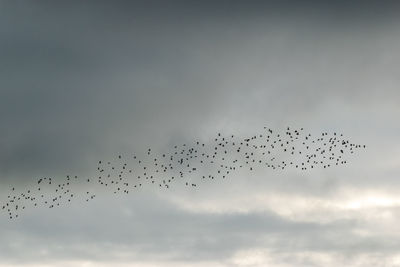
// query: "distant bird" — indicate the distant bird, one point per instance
point(217, 158)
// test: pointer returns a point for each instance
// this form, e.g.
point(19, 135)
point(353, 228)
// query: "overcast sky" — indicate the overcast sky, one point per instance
point(86, 81)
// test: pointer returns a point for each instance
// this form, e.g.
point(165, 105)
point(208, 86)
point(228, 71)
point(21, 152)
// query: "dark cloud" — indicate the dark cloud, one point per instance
point(86, 81)
point(78, 76)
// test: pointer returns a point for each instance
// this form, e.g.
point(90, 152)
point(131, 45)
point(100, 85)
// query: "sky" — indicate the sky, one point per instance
point(86, 81)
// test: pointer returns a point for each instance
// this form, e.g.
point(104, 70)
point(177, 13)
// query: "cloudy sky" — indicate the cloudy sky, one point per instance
point(83, 81)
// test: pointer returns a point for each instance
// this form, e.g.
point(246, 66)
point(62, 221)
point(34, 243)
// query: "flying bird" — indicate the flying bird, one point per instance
point(218, 158)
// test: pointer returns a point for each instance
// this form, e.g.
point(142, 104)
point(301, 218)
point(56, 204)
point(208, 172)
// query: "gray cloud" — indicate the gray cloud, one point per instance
point(81, 82)
point(130, 229)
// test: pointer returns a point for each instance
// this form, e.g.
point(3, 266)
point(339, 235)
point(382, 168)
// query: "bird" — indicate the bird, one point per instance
point(217, 158)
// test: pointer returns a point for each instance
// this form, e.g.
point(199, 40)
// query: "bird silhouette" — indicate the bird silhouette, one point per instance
point(216, 158)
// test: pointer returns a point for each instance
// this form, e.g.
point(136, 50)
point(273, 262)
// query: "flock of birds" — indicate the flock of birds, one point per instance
point(190, 163)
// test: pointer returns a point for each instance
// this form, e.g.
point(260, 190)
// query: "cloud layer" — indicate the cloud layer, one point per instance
point(83, 82)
